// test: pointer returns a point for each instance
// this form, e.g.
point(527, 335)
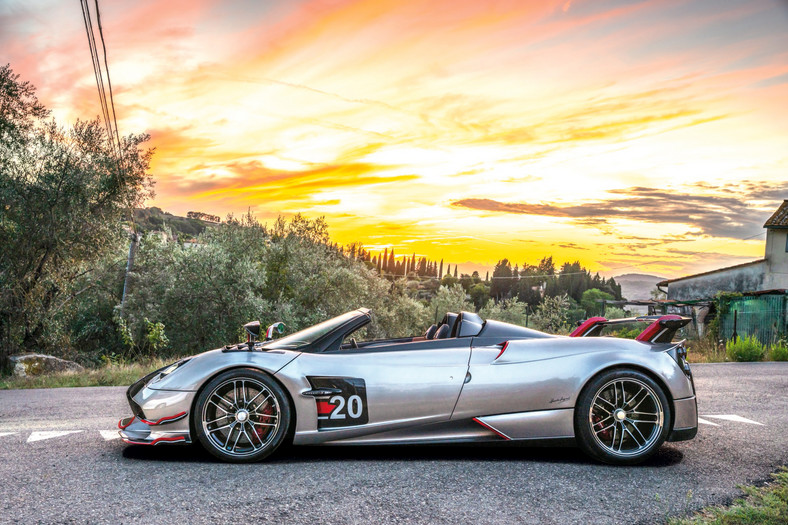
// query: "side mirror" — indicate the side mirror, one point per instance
point(252, 331)
point(278, 327)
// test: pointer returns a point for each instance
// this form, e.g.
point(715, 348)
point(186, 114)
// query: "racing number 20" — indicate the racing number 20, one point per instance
point(354, 407)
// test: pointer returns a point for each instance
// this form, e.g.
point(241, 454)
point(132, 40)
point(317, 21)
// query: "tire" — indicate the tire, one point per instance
point(622, 417)
point(242, 416)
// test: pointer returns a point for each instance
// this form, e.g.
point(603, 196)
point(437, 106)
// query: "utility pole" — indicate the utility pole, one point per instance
point(134, 242)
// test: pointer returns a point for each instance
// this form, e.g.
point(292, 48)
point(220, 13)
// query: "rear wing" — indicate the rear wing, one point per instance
point(661, 330)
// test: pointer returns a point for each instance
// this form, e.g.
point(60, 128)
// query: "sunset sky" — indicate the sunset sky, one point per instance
point(647, 137)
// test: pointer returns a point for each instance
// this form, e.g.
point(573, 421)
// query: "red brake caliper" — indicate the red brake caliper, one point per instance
point(267, 411)
point(605, 434)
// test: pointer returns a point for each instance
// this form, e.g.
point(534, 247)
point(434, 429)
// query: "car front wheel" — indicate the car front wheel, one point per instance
point(241, 415)
point(622, 417)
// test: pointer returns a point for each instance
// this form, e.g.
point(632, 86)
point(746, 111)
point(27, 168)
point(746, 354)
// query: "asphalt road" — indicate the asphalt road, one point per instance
point(88, 476)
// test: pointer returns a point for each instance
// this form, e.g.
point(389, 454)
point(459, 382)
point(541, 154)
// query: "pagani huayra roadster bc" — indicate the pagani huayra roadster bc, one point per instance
point(465, 380)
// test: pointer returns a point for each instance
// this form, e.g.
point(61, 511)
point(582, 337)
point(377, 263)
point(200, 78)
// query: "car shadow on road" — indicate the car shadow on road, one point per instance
point(665, 457)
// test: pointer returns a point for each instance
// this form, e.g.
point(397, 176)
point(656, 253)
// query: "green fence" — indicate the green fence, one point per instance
point(765, 316)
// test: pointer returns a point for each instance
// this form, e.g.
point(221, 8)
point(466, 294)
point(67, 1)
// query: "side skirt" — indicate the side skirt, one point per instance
point(553, 427)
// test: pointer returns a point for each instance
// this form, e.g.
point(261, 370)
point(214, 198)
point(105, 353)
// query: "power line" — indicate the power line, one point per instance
point(109, 82)
point(107, 108)
point(94, 59)
point(110, 119)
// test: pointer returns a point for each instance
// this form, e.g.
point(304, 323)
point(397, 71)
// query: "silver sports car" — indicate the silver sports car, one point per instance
point(464, 380)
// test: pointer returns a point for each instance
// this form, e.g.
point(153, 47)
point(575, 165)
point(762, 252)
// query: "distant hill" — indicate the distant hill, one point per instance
point(636, 286)
point(154, 219)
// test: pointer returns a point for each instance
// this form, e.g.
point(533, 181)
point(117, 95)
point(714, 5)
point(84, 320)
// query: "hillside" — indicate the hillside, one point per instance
point(154, 219)
point(637, 286)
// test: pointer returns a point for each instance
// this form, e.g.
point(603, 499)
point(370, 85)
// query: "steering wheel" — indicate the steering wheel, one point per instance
point(353, 343)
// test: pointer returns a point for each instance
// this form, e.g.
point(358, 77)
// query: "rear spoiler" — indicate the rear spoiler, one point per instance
point(661, 329)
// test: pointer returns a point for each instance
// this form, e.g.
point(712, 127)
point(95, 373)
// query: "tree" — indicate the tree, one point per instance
point(206, 217)
point(658, 295)
point(507, 311)
point(244, 271)
point(449, 299)
point(552, 314)
point(63, 193)
point(466, 281)
point(422, 267)
point(480, 295)
point(591, 299)
point(502, 280)
point(449, 280)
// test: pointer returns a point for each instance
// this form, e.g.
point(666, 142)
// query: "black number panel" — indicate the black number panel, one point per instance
point(346, 408)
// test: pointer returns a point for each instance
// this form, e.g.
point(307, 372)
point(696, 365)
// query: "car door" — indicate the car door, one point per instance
point(353, 392)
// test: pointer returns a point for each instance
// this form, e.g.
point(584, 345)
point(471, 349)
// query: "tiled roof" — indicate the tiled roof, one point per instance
point(780, 217)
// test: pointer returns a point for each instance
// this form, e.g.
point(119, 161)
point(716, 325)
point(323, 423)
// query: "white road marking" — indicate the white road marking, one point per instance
point(703, 421)
point(49, 434)
point(734, 417)
point(109, 434)
point(7, 433)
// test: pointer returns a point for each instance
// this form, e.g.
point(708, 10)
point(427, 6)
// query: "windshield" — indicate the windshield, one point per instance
point(310, 335)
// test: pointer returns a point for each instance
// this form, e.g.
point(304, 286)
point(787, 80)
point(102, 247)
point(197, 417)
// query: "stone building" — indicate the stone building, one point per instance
point(762, 308)
point(769, 273)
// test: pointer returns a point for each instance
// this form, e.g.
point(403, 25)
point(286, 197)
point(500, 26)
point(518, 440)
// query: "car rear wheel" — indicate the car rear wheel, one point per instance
point(622, 417)
point(242, 415)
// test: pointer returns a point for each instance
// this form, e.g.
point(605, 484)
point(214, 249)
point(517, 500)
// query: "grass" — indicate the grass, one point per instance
point(110, 374)
point(705, 350)
point(779, 351)
point(766, 505)
point(709, 350)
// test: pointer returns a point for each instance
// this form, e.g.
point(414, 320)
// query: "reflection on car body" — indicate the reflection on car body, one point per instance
point(465, 379)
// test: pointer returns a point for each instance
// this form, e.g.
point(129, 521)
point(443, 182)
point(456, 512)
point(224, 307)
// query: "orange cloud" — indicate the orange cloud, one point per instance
point(406, 122)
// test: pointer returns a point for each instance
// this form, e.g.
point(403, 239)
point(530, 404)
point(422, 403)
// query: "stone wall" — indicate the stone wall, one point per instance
point(743, 278)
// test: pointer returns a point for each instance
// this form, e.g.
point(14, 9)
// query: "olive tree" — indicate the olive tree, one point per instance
point(241, 271)
point(63, 193)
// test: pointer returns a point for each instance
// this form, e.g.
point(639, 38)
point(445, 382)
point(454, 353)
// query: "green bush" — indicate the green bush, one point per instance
point(628, 333)
point(779, 351)
point(243, 271)
point(746, 348)
point(507, 311)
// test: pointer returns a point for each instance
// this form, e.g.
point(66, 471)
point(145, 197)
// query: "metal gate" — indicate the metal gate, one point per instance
point(765, 316)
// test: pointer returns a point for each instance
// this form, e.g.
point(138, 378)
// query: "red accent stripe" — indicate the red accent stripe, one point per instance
point(164, 419)
point(654, 328)
point(127, 424)
point(488, 427)
point(324, 408)
point(172, 439)
point(504, 345)
point(587, 325)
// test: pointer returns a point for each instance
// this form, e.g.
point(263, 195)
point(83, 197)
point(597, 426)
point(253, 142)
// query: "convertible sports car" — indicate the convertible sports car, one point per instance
point(464, 380)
